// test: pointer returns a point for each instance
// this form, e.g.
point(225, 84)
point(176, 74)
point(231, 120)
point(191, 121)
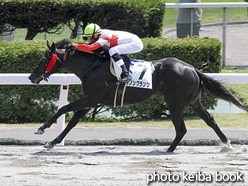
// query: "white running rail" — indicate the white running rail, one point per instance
point(64, 80)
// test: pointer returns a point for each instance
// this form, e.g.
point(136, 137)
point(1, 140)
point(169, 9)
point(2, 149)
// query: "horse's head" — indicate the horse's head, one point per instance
point(49, 64)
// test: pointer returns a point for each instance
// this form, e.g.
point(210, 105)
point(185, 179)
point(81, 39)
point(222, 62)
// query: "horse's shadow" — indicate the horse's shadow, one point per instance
point(102, 153)
point(155, 152)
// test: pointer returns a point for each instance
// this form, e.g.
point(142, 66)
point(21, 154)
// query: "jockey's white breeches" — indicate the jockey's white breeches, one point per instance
point(134, 46)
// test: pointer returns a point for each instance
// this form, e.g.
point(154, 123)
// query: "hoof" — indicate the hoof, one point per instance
point(48, 146)
point(227, 147)
point(228, 144)
point(39, 131)
point(169, 151)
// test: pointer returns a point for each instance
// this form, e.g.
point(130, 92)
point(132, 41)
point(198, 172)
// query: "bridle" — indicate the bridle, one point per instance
point(46, 73)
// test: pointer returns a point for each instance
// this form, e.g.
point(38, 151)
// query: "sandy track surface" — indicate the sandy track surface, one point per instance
point(122, 165)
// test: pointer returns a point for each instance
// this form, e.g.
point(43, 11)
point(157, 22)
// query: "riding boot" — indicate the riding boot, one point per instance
point(125, 77)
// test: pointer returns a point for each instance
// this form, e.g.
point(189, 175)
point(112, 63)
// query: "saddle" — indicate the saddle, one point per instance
point(102, 52)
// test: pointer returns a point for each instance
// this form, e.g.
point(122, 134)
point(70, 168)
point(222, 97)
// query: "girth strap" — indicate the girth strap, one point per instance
point(119, 94)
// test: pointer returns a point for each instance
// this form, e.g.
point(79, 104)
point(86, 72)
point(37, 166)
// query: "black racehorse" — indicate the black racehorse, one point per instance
point(180, 84)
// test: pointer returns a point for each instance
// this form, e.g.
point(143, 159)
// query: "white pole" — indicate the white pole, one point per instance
point(191, 22)
point(62, 101)
point(224, 39)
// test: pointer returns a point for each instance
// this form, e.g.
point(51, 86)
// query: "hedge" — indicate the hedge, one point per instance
point(142, 17)
point(200, 52)
point(37, 103)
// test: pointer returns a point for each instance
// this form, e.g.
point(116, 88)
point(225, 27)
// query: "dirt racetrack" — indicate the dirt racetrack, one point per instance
point(122, 165)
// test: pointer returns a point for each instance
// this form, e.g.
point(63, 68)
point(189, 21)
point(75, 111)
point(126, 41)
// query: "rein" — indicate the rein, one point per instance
point(89, 68)
point(80, 76)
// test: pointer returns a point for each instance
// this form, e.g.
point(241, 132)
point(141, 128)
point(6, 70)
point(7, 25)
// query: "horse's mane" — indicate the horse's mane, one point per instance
point(63, 44)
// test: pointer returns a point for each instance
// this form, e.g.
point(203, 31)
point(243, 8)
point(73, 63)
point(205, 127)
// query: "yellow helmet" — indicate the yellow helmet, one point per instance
point(91, 30)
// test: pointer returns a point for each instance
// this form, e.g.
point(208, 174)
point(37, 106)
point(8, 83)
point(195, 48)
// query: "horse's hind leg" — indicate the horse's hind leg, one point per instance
point(209, 119)
point(79, 114)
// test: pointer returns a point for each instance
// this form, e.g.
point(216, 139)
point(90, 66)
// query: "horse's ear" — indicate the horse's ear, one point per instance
point(48, 45)
point(52, 47)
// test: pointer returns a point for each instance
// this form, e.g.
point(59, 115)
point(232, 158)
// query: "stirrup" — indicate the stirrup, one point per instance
point(125, 79)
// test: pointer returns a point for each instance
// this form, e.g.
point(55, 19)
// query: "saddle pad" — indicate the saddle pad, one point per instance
point(141, 73)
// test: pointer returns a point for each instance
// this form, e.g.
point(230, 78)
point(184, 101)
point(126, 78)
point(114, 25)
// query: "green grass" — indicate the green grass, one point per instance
point(20, 35)
point(209, 15)
point(240, 89)
point(229, 121)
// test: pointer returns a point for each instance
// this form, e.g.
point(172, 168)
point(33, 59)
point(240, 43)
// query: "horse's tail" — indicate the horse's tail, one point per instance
point(218, 90)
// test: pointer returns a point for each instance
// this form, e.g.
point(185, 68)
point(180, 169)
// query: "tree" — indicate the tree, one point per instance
point(37, 17)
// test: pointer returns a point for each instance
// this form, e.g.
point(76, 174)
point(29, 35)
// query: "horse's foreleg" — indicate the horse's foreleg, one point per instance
point(76, 105)
point(79, 114)
point(41, 130)
point(48, 123)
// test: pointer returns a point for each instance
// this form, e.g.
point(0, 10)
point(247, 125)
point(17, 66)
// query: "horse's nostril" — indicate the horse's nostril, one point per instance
point(30, 77)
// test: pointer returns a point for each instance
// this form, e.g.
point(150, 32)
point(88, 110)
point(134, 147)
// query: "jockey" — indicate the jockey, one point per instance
point(118, 42)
